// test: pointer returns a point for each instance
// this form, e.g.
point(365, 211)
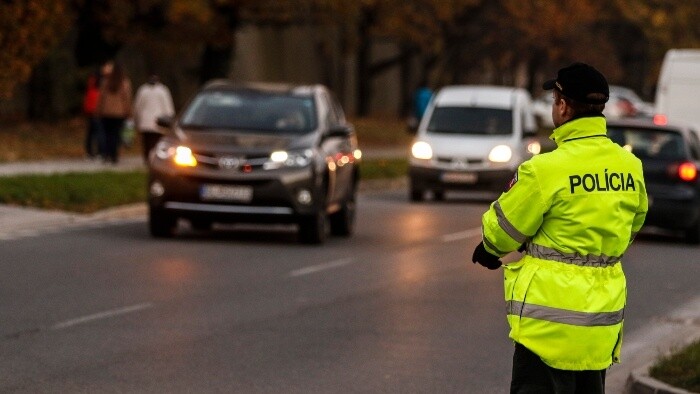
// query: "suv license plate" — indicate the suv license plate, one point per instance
point(226, 193)
point(459, 177)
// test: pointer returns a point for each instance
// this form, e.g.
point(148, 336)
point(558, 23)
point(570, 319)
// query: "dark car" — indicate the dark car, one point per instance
point(670, 155)
point(256, 153)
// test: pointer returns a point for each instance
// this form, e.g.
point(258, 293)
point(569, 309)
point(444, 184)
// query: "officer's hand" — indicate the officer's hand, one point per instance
point(485, 258)
point(522, 247)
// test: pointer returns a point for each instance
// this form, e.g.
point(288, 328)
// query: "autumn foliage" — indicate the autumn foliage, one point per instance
point(28, 30)
point(453, 40)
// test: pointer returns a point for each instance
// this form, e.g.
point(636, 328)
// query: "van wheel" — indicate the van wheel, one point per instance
point(438, 195)
point(161, 224)
point(314, 229)
point(415, 194)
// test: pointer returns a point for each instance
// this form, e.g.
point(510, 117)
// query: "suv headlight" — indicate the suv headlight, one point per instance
point(179, 154)
point(281, 158)
point(501, 154)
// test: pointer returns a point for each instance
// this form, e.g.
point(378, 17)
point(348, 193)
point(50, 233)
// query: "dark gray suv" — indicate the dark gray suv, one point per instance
point(256, 153)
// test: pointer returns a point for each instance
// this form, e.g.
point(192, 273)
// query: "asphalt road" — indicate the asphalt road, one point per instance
point(102, 307)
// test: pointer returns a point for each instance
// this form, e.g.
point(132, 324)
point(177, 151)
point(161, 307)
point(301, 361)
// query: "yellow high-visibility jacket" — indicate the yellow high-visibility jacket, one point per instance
point(576, 209)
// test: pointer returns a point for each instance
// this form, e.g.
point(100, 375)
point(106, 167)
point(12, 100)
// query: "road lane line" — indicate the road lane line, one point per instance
point(321, 267)
point(102, 315)
point(474, 232)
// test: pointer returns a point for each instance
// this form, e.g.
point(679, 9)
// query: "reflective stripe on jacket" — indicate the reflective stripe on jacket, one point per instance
point(577, 209)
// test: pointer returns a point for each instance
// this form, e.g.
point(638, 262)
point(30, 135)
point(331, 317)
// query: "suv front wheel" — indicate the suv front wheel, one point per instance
point(692, 234)
point(313, 229)
point(343, 221)
point(161, 224)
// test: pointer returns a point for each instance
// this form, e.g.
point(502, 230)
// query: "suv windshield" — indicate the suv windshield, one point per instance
point(250, 110)
point(471, 120)
point(649, 143)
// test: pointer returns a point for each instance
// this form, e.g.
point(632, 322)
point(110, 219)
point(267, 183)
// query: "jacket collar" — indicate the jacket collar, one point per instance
point(586, 126)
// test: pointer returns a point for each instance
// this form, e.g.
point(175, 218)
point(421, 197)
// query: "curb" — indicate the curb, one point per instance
point(120, 212)
point(639, 382)
point(670, 334)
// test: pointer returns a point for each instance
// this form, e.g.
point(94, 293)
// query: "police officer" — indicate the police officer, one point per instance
point(573, 212)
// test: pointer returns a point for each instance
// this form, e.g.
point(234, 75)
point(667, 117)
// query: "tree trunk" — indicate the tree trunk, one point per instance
point(215, 63)
point(364, 81)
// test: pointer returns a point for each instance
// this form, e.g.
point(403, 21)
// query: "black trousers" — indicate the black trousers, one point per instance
point(150, 138)
point(112, 128)
point(532, 375)
point(94, 137)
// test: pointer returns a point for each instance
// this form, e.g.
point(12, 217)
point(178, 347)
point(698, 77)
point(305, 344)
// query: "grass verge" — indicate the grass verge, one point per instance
point(681, 369)
point(383, 168)
point(63, 138)
point(75, 192)
point(91, 192)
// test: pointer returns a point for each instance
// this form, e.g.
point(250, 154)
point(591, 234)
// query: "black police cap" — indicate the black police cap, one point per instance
point(580, 82)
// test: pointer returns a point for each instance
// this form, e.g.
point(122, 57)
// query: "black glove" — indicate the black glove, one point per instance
point(485, 258)
point(522, 247)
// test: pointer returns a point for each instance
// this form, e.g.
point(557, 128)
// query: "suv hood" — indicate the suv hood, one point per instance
point(232, 141)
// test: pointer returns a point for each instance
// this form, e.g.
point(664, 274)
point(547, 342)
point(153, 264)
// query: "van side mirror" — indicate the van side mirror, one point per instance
point(412, 125)
point(165, 121)
point(529, 133)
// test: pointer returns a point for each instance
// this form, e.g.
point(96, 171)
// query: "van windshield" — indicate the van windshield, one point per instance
point(471, 120)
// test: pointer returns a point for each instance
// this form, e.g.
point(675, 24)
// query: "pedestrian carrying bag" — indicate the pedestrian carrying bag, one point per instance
point(128, 133)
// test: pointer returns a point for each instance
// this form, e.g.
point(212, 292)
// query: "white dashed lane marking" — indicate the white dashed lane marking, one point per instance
point(321, 267)
point(101, 315)
point(471, 233)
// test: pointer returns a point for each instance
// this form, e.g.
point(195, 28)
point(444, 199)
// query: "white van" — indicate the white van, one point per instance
point(471, 138)
point(678, 87)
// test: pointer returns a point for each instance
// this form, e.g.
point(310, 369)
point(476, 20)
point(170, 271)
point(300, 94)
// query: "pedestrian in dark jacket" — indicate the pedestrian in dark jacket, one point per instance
point(114, 109)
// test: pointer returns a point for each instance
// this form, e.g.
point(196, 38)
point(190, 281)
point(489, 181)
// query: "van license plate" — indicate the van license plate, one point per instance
point(226, 193)
point(460, 177)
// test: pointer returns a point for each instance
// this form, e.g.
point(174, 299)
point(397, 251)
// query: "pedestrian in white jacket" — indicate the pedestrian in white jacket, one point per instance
point(152, 100)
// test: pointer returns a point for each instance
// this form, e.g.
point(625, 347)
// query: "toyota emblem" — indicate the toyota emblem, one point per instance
point(229, 163)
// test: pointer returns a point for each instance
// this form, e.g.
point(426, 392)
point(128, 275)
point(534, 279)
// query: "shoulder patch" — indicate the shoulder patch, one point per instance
point(512, 181)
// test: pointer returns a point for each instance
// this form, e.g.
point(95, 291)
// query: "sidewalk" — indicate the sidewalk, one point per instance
point(642, 348)
point(22, 221)
point(69, 165)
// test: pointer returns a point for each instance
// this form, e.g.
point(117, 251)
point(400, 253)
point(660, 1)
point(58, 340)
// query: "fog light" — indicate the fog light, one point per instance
point(304, 197)
point(157, 189)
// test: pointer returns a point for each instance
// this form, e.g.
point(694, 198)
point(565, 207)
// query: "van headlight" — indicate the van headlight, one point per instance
point(501, 154)
point(422, 150)
point(282, 158)
point(179, 154)
point(534, 148)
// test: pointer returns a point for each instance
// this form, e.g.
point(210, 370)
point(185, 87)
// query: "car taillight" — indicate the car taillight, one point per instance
point(685, 171)
point(660, 120)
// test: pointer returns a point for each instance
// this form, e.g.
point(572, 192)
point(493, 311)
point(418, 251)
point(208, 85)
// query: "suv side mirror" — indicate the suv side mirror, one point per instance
point(341, 131)
point(165, 121)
